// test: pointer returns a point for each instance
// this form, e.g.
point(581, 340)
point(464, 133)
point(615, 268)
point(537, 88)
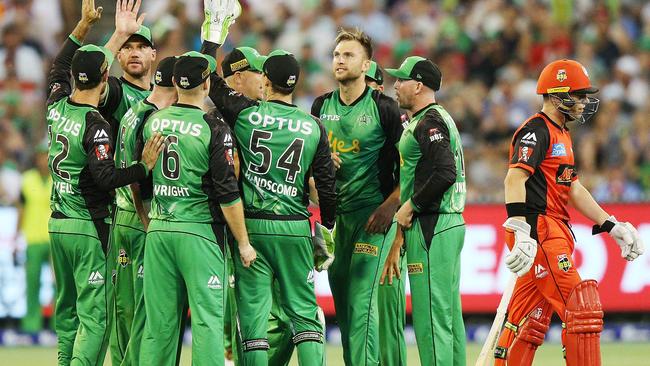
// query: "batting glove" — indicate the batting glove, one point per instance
point(625, 235)
point(219, 16)
point(521, 257)
point(323, 242)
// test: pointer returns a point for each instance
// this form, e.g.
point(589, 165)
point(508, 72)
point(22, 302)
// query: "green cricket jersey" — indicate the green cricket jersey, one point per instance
point(432, 173)
point(195, 174)
point(279, 147)
point(129, 147)
point(120, 95)
point(365, 134)
point(80, 150)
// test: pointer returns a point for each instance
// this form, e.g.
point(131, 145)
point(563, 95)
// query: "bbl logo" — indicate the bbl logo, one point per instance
point(561, 75)
point(563, 262)
point(123, 258)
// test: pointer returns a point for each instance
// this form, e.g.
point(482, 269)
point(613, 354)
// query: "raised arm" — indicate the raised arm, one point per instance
point(59, 84)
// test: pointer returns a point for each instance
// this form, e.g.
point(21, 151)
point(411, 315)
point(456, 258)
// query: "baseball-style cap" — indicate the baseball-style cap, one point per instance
point(192, 68)
point(144, 33)
point(165, 71)
point(374, 73)
point(419, 69)
point(89, 64)
point(282, 68)
point(242, 59)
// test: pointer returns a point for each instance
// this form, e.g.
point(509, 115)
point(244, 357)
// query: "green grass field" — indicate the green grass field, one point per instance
point(624, 354)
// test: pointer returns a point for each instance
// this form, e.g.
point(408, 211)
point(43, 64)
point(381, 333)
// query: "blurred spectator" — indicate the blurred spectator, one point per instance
point(34, 213)
point(16, 58)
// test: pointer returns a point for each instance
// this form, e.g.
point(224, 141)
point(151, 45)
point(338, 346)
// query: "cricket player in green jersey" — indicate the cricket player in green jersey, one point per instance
point(432, 192)
point(83, 174)
point(363, 127)
point(135, 55)
point(280, 147)
point(391, 295)
point(131, 219)
point(242, 72)
point(195, 194)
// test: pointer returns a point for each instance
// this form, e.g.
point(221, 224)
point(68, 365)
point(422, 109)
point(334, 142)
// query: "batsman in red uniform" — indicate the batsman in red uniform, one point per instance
point(542, 181)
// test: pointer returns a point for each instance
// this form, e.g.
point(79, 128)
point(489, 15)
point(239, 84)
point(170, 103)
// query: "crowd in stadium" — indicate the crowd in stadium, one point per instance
point(490, 52)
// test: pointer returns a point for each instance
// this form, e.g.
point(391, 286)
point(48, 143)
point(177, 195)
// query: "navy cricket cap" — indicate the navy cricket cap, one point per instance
point(165, 71)
point(282, 68)
point(89, 64)
point(192, 68)
point(242, 59)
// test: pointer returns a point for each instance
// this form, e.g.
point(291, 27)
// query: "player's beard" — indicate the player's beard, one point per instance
point(138, 72)
point(349, 77)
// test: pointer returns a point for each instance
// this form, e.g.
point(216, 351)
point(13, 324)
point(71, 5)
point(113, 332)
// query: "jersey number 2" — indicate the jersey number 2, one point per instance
point(58, 158)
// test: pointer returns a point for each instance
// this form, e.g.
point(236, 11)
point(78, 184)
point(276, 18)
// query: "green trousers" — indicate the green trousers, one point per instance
point(279, 328)
point(82, 313)
point(184, 264)
point(433, 249)
point(354, 281)
point(392, 317)
point(127, 261)
point(37, 254)
point(284, 253)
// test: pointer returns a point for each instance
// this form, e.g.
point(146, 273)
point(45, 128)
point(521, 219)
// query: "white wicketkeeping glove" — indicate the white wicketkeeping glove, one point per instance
point(521, 257)
point(219, 16)
point(323, 242)
point(627, 238)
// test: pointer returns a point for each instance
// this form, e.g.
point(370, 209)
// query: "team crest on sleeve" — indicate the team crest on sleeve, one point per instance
point(102, 151)
point(563, 262)
point(525, 153)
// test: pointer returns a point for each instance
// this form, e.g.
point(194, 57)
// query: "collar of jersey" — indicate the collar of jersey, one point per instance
point(182, 105)
point(338, 94)
point(80, 104)
point(546, 117)
point(281, 102)
point(122, 79)
point(423, 109)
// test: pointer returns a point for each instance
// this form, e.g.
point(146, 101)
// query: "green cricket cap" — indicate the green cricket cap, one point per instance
point(419, 69)
point(374, 73)
point(144, 33)
point(192, 68)
point(89, 63)
point(242, 59)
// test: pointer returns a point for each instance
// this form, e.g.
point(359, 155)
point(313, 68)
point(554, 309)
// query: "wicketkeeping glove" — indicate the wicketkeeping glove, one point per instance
point(219, 16)
point(323, 242)
point(625, 235)
point(521, 257)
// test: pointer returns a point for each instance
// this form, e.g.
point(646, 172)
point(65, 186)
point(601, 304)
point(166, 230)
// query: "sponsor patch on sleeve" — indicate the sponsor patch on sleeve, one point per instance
point(435, 135)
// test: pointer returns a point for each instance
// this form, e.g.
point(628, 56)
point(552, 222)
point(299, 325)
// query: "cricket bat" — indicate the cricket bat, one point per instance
point(486, 357)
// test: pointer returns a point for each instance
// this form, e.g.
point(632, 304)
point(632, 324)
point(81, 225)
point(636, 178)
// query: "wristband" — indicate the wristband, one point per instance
point(516, 209)
point(146, 170)
point(606, 227)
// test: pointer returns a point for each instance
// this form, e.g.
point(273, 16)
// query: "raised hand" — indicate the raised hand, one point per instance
point(219, 16)
point(89, 14)
point(126, 16)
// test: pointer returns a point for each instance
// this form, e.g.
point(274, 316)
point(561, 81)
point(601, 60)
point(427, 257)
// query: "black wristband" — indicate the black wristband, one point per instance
point(516, 209)
point(606, 227)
